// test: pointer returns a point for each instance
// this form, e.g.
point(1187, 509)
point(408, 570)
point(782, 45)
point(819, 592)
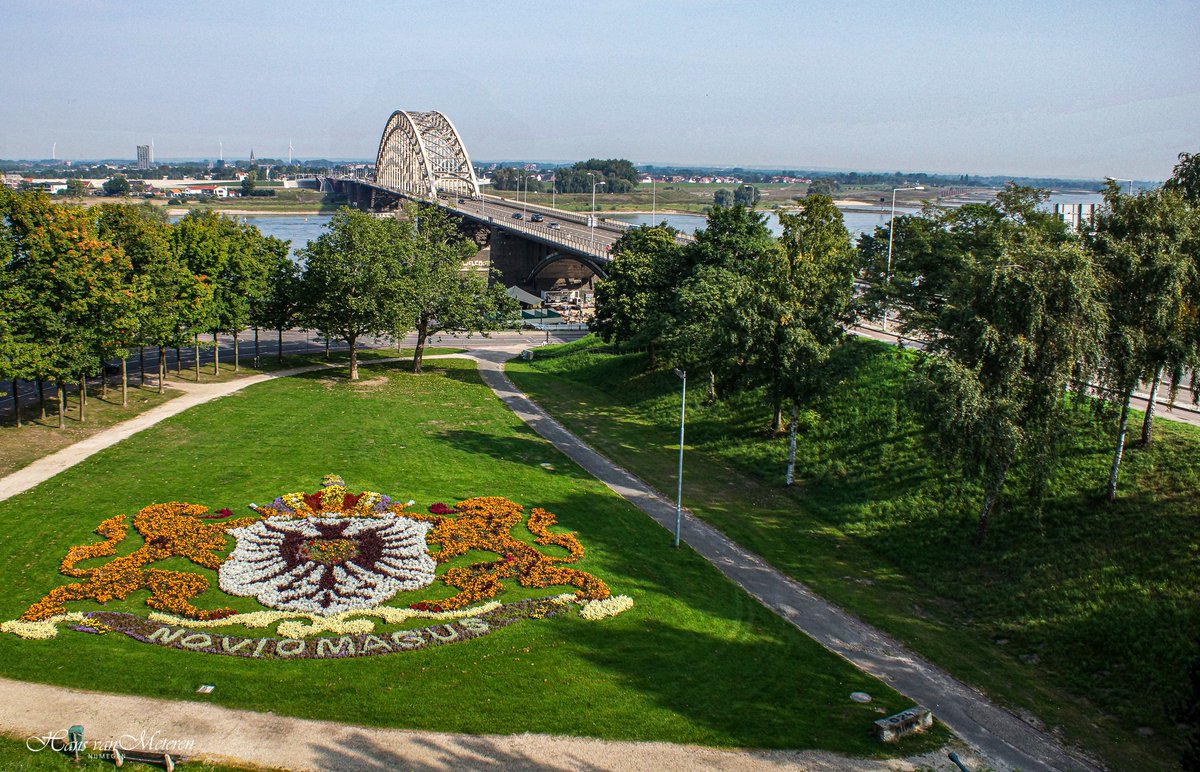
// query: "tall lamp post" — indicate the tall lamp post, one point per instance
point(1122, 179)
point(682, 375)
point(653, 204)
point(887, 279)
point(592, 220)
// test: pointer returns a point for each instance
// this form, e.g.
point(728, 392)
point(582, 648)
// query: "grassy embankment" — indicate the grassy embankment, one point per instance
point(695, 660)
point(38, 436)
point(1083, 614)
point(697, 197)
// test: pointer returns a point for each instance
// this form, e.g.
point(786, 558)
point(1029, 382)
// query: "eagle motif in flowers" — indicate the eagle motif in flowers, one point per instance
point(328, 561)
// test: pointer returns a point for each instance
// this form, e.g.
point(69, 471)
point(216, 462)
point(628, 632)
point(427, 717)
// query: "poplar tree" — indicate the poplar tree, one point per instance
point(813, 303)
point(1138, 242)
point(1009, 305)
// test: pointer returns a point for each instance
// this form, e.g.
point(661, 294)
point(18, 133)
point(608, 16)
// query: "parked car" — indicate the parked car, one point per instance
point(554, 226)
point(518, 216)
point(536, 217)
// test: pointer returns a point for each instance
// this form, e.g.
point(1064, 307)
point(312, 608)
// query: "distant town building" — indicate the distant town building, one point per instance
point(1075, 215)
point(145, 157)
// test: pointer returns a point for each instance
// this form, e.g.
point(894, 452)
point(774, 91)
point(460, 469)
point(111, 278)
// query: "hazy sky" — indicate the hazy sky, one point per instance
point(1083, 89)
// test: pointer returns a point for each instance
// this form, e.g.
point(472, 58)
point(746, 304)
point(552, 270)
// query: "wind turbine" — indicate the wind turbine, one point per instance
point(221, 151)
point(289, 152)
point(54, 151)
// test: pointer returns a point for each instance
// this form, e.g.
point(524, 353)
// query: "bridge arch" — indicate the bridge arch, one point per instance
point(421, 154)
point(595, 266)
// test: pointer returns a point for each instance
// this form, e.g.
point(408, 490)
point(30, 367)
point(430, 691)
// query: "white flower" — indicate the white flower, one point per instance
point(327, 565)
point(609, 607)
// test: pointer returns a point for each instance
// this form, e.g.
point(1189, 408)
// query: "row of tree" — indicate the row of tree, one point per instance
point(617, 174)
point(1016, 313)
point(384, 276)
point(737, 306)
point(742, 195)
point(81, 287)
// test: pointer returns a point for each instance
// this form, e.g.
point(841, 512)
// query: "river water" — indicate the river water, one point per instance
point(300, 229)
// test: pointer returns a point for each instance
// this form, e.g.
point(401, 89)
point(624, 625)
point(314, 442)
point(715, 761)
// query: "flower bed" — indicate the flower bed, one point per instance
point(326, 561)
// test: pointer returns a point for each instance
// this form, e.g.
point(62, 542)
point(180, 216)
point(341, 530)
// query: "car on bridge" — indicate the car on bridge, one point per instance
point(554, 226)
point(518, 216)
point(536, 217)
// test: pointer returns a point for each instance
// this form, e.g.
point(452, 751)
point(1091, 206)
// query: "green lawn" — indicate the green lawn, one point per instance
point(38, 437)
point(695, 660)
point(1082, 613)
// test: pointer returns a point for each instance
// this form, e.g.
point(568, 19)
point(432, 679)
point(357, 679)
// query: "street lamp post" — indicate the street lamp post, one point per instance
point(682, 375)
point(1122, 179)
point(592, 220)
point(653, 203)
point(887, 279)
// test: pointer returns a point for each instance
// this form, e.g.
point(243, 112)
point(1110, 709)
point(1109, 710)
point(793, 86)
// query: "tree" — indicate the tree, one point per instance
point(19, 352)
point(243, 277)
point(1185, 179)
point(248, 183)
point(512, 178)
point(823, 186)
point(722, 197)
point(76, 188)
point(198, 241)
point(1138, 242)
point(72, 282)
point(633, 305)
point(746, 195)
point(116, 185)
point(617, 174)
point(279, 308)
point(352, 283)
point(439, 295)
point(719, 306)
point(1010, 308)
point(813, 305)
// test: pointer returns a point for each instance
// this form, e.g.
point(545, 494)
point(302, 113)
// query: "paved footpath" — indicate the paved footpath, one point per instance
point(1000, 735)
point(1004, 740)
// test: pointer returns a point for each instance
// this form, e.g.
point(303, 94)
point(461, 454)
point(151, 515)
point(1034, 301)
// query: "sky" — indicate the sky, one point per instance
point(1056, 89)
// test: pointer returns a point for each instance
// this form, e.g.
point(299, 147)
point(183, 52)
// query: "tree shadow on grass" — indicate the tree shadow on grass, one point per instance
point(525, 448)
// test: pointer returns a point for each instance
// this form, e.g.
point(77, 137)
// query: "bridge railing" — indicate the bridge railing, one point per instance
point(561, 238)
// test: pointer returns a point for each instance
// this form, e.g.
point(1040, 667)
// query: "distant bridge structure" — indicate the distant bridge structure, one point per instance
point(422, 158)
point(422, 155)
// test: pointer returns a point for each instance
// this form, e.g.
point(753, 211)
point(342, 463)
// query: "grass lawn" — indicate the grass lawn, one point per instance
point(39, 437)
point(1083, 614)
point(695, 660)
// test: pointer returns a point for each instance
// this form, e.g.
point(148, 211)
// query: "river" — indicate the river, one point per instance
point(300, 229)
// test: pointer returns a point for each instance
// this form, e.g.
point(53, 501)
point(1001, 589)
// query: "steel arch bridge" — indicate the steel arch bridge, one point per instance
point(422, 155)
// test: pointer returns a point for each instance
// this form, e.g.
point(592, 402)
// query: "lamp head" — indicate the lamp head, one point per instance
point(680, 373)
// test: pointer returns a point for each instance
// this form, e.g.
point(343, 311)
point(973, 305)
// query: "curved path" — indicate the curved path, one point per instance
point(1001, 737)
